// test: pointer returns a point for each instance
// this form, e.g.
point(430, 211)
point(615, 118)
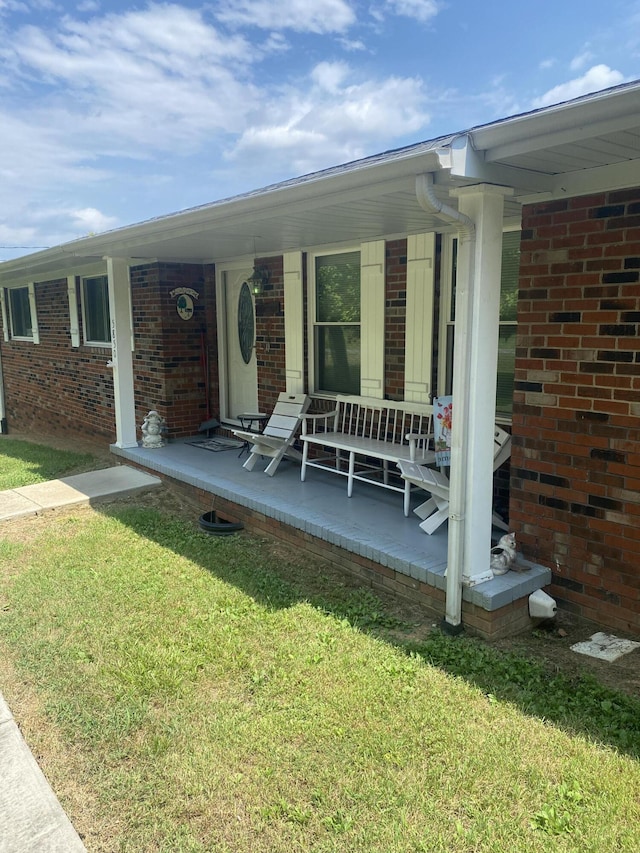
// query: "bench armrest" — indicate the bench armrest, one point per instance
point(416, 439)
point(313, 419)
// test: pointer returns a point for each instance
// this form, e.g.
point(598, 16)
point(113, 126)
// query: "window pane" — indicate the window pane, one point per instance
point(506, 369)
point(20, 313)
point(338, 359)
point(338, 288)
point(96, 309)
point(449, 380)
point(454, 276)
point(509, 277)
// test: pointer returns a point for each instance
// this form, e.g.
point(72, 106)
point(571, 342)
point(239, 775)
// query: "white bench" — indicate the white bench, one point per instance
point(368, 434)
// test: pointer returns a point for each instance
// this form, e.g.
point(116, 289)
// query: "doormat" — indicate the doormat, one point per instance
point(217, 444)
point(605, 647)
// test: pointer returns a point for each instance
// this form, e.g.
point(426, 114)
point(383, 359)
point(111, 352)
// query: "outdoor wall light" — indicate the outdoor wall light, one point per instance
point(259, 279)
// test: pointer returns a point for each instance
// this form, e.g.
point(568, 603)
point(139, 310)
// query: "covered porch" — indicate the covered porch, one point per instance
point(366, 535)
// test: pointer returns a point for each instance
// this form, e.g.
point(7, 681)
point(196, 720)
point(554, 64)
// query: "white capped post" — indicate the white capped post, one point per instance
point(122, 359)
point(474, 385)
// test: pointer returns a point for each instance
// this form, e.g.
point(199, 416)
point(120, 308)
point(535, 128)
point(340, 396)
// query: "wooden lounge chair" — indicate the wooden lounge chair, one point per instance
point(435, 510)
point(276, 440)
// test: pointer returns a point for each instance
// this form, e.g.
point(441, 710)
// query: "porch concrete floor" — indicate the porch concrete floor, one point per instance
point(370, 524)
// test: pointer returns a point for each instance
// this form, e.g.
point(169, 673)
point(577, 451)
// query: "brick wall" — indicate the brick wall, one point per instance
point(395, 318)
point(270, 347)
point(169, 360)
point(511, 619)
point(52, 387)
point(575, 488)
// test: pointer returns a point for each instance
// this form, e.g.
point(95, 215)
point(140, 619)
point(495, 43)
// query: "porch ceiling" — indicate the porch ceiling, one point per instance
point(588, 145)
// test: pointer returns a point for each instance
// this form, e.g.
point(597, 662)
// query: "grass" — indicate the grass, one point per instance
point(215, 694)
point(23, 463)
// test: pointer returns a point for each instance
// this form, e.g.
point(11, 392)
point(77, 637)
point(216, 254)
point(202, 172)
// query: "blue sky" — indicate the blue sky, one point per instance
point(114, 112)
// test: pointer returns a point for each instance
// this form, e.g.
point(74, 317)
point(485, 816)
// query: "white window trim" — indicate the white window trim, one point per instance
point(87, 341)
point(311, 310)
point(7, 318)
point(72, 295)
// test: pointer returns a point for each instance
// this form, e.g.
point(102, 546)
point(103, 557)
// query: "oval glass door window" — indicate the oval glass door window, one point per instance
point(246, 323)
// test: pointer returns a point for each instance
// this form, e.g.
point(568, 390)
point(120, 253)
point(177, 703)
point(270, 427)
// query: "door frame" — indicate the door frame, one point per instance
point(221, 323)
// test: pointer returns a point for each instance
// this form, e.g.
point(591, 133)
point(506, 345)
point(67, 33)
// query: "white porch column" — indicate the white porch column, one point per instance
point(474, 392)
point(122, 359)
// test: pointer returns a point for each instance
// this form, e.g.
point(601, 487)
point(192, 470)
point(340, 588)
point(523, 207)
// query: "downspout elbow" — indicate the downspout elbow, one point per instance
point(429, 202)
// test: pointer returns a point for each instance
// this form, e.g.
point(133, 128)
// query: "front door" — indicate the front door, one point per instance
point(242, 366)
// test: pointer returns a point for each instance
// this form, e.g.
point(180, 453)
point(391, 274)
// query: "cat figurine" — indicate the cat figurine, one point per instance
point(503, 555)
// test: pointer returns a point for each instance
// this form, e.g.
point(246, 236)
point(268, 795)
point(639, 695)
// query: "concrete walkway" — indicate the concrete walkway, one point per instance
point(31, 818)
point(69, 491)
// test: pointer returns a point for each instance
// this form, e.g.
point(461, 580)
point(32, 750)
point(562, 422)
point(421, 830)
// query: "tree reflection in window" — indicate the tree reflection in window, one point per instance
point(337, 332)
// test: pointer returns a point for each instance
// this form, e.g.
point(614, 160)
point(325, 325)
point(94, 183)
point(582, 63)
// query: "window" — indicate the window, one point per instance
point(508, 322)
point(337, 323)
point(507, 326)
point(20, 313)
point(95, 310)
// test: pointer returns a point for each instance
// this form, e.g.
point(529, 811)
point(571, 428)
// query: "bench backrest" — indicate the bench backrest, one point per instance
point(384, 420)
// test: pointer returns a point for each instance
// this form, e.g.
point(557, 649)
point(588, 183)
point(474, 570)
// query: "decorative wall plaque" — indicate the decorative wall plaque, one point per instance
point(184, 302)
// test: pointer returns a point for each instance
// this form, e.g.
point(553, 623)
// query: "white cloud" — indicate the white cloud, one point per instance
point(581, 60)
point(334, 121)
point(420, 10)
point(89, 220)
point(317, 16)
point(159, 78)
point(352, 44)
point(596, 78)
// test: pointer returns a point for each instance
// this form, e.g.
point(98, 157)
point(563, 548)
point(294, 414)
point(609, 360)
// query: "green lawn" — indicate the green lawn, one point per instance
point(23, 463)
point(216, 694)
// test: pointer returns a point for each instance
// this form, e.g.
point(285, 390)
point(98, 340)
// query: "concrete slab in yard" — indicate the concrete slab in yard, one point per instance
point(80, 488)
point(13, 505)
point(605, 647)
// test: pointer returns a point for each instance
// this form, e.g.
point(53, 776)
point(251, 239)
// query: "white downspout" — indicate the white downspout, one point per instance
point(467, 232)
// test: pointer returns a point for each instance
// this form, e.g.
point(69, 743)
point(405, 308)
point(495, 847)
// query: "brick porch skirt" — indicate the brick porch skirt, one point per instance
point(490, 625)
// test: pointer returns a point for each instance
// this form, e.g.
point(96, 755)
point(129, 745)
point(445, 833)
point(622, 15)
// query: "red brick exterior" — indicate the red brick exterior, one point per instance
point(395, 319)
point(170, 355)
point(272, 377)
point(492, 625)
point(575, 467)
point(54, 388)
point(575, 472)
